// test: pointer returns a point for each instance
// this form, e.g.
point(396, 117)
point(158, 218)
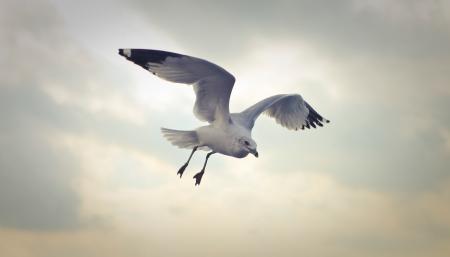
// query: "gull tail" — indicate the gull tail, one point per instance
point(181, 138)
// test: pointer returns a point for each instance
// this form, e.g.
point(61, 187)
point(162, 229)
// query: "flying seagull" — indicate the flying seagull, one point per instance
point(227, 133)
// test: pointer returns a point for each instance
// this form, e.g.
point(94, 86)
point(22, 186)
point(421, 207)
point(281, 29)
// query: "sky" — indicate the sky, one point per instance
point(84, 170)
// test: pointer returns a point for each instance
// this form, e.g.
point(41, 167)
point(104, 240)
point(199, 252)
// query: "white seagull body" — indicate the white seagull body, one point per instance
point(227, 133)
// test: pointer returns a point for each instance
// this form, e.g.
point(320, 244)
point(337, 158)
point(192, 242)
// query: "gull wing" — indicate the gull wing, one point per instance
point(288, 110)
point(212, 84)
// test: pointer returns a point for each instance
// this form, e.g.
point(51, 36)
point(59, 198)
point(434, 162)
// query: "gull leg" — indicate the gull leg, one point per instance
point(181, 170)
point(198, 176)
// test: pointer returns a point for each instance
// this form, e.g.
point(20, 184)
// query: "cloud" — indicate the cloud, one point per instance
point(256, 217)
point(350, 27)
point(36, 189)
point(84, 170)
point(52, 87)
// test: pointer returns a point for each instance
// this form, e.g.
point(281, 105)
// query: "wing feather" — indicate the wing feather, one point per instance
point(288, 110)
point(212, 84)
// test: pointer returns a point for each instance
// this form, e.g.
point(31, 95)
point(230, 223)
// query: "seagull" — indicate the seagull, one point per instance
point(227, 133)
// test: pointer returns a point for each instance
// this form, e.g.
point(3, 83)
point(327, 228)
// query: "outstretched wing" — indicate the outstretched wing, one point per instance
point(289, 110)
point(212, 84)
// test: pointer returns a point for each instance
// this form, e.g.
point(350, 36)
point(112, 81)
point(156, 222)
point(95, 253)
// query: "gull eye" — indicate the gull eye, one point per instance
point(246, 143)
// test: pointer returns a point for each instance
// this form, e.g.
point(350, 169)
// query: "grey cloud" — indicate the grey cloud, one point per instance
point(38, 177)
point(336, 26)
point(366, 149)
point(36, 181)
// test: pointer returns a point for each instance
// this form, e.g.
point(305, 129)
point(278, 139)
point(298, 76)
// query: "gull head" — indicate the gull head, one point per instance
point(248, 145)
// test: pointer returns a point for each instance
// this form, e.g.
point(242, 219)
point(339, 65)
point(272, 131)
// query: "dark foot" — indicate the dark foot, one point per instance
point(181, 170)
point(198, 177)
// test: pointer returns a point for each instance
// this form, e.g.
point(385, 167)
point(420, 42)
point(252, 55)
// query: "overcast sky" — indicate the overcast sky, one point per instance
point(84, 170)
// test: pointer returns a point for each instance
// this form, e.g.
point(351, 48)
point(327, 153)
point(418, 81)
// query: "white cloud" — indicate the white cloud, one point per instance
point(98, 102)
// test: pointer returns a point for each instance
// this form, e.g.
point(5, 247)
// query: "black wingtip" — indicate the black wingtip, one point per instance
point(143, 57)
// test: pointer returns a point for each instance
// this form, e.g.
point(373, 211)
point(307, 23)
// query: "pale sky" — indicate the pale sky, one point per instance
point(84, 170)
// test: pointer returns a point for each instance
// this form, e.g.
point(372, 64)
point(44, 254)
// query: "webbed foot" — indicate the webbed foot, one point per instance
point(181, 170)
point(198, 177)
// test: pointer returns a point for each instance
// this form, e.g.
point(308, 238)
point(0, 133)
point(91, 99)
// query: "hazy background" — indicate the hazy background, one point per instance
point(84, 170)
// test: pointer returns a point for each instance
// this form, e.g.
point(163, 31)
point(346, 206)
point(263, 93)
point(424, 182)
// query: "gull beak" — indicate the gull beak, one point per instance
point(255, 153)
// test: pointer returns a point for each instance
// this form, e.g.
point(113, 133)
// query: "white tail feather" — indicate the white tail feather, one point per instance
point(181, 138)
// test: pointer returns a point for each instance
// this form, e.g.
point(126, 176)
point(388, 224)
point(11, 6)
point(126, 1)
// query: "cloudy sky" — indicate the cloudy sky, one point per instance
point(84, 170)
